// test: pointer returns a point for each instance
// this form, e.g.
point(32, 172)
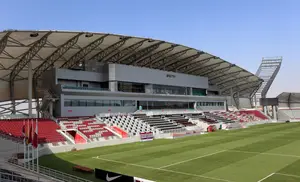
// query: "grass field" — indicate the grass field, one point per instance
point(267, 153)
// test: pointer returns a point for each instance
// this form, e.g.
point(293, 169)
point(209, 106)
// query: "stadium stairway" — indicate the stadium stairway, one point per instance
point(160, 123)
point(128, 123)
point(86, 128)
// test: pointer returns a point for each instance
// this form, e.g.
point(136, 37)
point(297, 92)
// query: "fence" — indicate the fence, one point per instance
point(54, 174)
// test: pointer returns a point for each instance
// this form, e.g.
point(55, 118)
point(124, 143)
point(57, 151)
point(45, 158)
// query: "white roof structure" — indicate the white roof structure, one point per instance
point(64, 49)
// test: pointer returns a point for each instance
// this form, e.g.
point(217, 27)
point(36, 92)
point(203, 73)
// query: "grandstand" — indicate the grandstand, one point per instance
point(289, 106)
point(86, 90)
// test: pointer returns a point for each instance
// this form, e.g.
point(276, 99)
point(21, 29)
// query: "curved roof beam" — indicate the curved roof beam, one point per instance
point(110, 50)
point(249, 90)
point(219, 71)
point(207, 68)
point(141, 53)
point(33, 50)
point(78, 56)
point(241, 84)
point(197, 64)
point(174, 66)
point(225, 75)
point(234, 80)
point(153, 57)
point(226, 78)
point(168, 59)
point(125, 52)
point(3, 41)
point(58, 53)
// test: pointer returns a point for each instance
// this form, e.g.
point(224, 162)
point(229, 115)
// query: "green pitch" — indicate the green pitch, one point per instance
point(267, 153)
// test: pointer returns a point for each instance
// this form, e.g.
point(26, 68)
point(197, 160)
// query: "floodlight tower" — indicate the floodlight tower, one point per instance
point(267, 71)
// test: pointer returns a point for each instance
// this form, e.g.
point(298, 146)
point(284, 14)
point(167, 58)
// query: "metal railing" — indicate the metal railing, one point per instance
point(84, 88)
point(9, 177)
point(48, 172)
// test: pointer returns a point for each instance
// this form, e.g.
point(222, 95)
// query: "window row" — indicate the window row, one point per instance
point(210, 103)
point(98, 103)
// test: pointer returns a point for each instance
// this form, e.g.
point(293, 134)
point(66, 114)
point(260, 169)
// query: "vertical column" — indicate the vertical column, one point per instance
point(265, 110)
point(113, 86)
point(30, 89)
point(231, 96)
point(274, 113)
point(51, 108)
point(191, 91)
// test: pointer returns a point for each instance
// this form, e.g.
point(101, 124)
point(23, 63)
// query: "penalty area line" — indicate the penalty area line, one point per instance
point(188, 160)
point(266, 177)
point(167, 170)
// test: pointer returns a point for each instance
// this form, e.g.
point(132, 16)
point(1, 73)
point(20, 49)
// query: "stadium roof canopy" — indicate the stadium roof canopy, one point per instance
point(287, 97)
point(63, 49)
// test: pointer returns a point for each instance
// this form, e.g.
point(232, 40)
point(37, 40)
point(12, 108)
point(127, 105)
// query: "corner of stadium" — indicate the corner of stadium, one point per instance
point(88, 106)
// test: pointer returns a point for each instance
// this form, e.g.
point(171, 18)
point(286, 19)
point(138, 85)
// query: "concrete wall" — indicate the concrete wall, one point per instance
point(88, 111)
point(127, 73)
point(80, 75)
point(82, 111)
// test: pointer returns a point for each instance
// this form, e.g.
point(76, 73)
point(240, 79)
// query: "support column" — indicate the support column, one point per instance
point(12, 96)
point(51, 108)
point(113, 86)
point(265, 110)
point(274, 113)
point(231, 96)
point(29, 89)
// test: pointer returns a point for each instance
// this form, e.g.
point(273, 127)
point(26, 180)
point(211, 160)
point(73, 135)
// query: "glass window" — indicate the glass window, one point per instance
point(75, 103)
point(68, 103)
point(106, 103)
point(99, 103)
point(90, 102)
point(82, 102)
point(129, 103)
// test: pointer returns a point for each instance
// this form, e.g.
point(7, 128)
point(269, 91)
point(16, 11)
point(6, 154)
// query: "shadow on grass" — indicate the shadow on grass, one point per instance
point(56, 162)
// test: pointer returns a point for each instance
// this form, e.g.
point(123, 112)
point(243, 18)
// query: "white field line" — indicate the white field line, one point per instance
point(199, 157)
point(263, 153)
point(290, 175)
point(171, 171)
point(266, 177)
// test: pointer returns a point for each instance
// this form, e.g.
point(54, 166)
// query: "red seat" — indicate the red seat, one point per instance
point(46, 129)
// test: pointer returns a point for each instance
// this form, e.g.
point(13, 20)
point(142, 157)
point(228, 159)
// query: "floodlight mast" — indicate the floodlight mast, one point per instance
point(267, 71)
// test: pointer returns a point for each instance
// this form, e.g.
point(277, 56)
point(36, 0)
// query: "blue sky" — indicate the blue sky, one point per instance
point(241, 32)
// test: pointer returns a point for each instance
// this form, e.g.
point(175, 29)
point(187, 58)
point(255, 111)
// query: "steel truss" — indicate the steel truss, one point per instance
point(225, 76)
point(141, 53)
point(189, 67)
point(7, 107)
point(57, 54)
point(233, 80)
point(153, 57)
point(219, 71)
point(174, 66)
point(110, 50)
point(238, 80)
point(268, 71)
point(26, 58)
point(118, 56)
point(164, 62)
point(206, 68)
point(3, 41)
point(252, 83)
point(80, 55)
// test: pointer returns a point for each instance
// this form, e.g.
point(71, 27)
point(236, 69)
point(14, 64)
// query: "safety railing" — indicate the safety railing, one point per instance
point(84, 88)
point(8, 177)
point(60, 176)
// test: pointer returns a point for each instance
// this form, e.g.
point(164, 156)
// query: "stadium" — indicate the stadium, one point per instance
point(86, 106)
